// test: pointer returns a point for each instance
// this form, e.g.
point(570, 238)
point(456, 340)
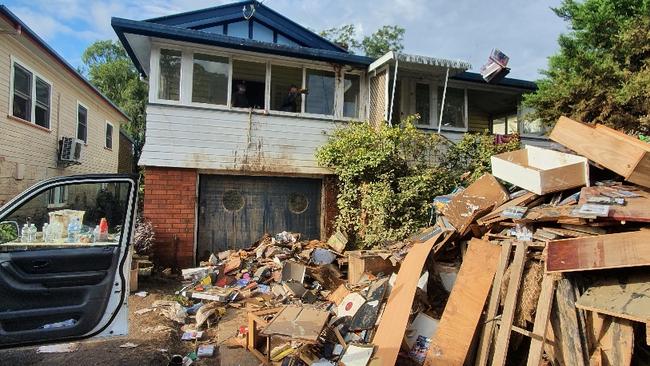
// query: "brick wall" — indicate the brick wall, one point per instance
point(170, 205)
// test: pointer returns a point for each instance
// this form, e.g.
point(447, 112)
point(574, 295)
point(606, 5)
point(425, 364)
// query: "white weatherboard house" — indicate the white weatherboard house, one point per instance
point(229, 152)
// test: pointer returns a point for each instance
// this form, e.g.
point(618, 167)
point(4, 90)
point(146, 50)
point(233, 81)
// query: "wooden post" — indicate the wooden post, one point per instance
point(564, 319)
point(542, 315)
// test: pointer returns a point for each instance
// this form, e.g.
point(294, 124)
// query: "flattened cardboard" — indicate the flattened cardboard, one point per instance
point(298, 322)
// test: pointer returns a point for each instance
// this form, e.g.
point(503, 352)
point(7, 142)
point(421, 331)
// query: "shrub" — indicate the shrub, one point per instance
point(143, 237)
point(388, 176)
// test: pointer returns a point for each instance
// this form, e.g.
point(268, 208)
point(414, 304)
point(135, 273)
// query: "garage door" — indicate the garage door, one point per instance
point(235, 211)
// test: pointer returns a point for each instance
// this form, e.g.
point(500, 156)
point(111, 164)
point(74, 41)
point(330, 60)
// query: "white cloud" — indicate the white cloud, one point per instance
point(461, 29)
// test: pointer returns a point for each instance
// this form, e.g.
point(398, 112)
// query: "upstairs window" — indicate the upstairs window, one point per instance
point(210, 79)
point(351, 94)
point(82, 123)
point(286, 85)
point(31, 97)
point(454, 112)
point(248, 84)
point(109, 136)
point(169, 87)
point(321, 86)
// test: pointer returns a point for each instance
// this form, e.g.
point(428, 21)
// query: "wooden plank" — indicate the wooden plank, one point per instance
point(487, 333)
point(509, 305)
point(613, 340)
point(599, 252)
point(542, 316)
point(457, 326)
point(622, 297)
point(614, 150)
point(635, 208)
point(392, 326)
point(496, 213)
point(481, 196)
point(564, 319)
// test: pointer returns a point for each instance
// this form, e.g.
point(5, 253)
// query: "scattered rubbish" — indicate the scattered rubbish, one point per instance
point(141, 294)
point(357, 355)
point(128, 345)
point(192, 335)
point(205, 350)
point(58, 348)
point(142, 311)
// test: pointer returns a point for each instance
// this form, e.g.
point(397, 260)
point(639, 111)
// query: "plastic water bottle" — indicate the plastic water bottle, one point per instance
point(46, 233)
point(73, 230)
point(96, 234)
point(24, 234)
point(32, 233)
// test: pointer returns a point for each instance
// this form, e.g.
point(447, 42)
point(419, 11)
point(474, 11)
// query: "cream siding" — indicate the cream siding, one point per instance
point(189, 137)
point(29, 153)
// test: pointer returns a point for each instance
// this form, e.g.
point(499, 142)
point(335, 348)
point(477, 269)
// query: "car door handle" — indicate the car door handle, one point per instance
point(40, 264)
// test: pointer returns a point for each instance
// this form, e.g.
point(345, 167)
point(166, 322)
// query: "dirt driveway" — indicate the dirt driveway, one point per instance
point(156, 337)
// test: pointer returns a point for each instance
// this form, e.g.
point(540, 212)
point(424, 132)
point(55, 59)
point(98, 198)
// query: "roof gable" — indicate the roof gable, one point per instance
point(265, 25)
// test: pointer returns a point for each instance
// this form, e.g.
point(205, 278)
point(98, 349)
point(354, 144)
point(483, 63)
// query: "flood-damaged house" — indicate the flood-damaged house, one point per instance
point(240, 99)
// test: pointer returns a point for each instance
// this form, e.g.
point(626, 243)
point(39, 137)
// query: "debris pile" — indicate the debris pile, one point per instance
point(521, 267)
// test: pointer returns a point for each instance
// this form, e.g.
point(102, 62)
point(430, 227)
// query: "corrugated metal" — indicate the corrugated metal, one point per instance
point(264, 208)
point(226, 140)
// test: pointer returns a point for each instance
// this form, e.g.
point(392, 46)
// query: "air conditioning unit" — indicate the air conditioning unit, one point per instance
point(70, 150)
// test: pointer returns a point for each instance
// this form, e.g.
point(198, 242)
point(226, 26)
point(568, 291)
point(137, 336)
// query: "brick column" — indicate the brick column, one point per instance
point(170, 204)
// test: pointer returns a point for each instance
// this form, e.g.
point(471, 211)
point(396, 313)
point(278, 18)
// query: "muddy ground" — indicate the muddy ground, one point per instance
point(157, 339)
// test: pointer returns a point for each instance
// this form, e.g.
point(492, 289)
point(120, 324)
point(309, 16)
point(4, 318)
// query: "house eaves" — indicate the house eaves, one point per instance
point(22, 28)
point(475, 77)
point(144, 28)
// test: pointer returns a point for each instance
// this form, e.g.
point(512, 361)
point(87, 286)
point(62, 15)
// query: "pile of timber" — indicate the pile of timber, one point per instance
point(554, 269)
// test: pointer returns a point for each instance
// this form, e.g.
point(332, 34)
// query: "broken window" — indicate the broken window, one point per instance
point(321, 85)
point(248, 84)
point(423, 103)
point(298, 203)
point(351, 95)
point(454, 111)
point(286, 84)
point(169, 87)
point(210, 79)
point(232, 201)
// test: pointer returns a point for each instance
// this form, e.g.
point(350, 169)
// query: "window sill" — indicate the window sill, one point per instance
point(108, 148)
point(443, 129)
point(26, 122)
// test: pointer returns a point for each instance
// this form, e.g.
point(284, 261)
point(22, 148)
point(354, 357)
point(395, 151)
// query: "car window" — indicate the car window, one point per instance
point(72, 215)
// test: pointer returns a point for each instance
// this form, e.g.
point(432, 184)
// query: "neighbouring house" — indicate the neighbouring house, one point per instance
point(53, 122)
point(230, 154)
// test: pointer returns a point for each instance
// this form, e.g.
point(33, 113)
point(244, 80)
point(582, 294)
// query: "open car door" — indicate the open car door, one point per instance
point(64, 259)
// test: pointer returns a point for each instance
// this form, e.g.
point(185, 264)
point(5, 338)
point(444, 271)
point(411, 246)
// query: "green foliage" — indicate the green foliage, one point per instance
point(7, 232)
point(387, 38)
point(602, 71)
point(388, 176)
point(109, 68)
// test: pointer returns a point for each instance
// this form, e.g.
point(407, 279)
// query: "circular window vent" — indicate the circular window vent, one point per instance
point(233, 201)
point(298, 203)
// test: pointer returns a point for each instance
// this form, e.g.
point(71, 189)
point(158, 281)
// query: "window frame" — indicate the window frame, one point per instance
point(108, 123)
point(34, 76)
point(80, 104)
point(186, 80)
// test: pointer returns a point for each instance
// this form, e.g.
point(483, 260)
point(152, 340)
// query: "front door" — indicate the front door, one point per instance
point(235, 211)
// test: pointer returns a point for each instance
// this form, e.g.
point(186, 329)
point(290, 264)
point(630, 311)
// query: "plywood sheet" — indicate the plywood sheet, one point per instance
point(465, 305)
point(635, 208)
point(303, 323)
point(622, 154)
point(599, 252)
point(478, 199)
point(392, 326)
point(627, 298)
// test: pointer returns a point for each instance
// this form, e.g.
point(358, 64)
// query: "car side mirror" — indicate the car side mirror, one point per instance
point(8, 231)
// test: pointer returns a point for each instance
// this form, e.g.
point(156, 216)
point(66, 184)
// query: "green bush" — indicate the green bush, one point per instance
point(388, 176)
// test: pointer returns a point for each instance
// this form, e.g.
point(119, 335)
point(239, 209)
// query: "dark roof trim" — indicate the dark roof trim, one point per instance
point(229, 12)
point(475, 77)
point(127, 136)
point(11, 17)
point(122, 26)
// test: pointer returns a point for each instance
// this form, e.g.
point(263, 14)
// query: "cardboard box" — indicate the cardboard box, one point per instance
point(541, 171)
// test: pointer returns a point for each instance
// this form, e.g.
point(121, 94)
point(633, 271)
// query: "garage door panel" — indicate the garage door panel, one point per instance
point(235, 211)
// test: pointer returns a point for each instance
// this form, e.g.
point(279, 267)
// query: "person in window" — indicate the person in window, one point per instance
point(239, 98)
point(291, 102)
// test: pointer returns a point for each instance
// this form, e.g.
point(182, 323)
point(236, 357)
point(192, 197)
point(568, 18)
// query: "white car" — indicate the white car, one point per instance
point(64, 259)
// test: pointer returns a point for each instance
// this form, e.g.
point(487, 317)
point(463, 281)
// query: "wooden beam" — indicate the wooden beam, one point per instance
point(457, 326)
point(509, 305)
point(487, 332)
point(392, 326)
point(542, 315)
point(599, 252)
point(568, 337)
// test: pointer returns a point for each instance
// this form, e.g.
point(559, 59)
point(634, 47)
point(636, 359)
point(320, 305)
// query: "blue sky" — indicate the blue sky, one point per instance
point(463, 29)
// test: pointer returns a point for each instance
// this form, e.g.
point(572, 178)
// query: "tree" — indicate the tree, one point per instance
point(602, 70)
point(109, 68)
point(386, 38)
